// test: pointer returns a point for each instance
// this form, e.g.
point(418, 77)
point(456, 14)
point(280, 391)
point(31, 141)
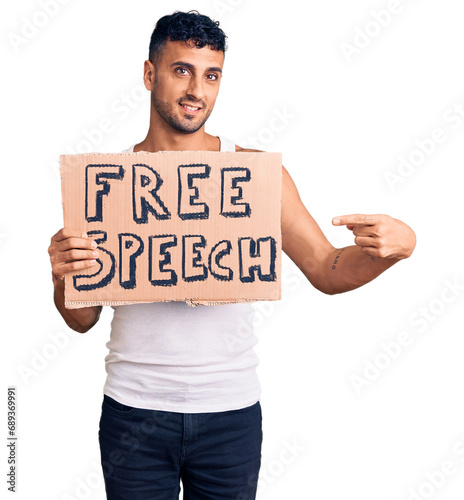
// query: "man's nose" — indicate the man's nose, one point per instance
point(196, 88)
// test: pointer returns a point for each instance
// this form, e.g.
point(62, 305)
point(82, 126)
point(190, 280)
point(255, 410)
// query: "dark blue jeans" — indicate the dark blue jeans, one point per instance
point(146, 453)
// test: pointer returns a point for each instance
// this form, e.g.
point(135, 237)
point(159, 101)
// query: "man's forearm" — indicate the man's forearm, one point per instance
point(81, 320)
point(349, 268)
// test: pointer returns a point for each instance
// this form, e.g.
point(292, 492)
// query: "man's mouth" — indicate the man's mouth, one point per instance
point(188, 108)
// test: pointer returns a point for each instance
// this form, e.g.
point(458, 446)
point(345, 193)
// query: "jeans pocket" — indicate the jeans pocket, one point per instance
point(116, 406)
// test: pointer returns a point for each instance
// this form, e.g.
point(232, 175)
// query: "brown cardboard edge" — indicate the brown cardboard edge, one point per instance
point(97, 153)
point(189, 302)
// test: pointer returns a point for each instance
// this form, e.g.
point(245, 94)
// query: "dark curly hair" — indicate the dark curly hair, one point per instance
point(184, 27)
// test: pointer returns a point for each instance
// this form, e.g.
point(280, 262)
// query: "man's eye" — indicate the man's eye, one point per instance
point(212, 77)
point(181, 71)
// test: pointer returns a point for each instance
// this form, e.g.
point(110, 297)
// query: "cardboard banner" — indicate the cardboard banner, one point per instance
point(198, 226)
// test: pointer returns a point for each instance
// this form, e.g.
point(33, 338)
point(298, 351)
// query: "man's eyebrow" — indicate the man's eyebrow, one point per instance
point(191, 66)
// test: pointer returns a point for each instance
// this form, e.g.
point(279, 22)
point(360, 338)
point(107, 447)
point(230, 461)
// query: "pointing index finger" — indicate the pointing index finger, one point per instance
point(354, 219)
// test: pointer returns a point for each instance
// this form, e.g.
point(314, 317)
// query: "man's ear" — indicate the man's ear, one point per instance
point(149, 75)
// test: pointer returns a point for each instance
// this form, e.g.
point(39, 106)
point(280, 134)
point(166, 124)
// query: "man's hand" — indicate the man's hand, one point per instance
point(70, 251)
point(380, 235)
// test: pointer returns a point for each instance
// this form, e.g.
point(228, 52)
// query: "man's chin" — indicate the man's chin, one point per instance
point(188, 130)
point(188, 127)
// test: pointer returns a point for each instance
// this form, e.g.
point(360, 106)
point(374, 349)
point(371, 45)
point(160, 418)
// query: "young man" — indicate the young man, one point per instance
point(179, 403)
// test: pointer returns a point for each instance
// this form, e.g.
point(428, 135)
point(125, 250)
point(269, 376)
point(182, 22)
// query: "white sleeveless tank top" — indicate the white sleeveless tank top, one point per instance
point(173, 357)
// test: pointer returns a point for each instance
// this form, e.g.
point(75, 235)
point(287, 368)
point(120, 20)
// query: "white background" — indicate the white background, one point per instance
point(348, 120)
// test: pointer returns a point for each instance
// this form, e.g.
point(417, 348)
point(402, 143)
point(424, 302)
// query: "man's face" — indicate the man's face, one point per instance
point(186, 85)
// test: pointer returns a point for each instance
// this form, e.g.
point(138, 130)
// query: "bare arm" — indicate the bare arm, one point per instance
point(381, 241)
point(70, 251)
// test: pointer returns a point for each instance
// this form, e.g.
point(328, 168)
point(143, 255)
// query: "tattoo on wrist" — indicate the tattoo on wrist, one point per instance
point(337, 258)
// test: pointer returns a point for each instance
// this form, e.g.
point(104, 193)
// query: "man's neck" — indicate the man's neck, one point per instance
point(159, 140)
